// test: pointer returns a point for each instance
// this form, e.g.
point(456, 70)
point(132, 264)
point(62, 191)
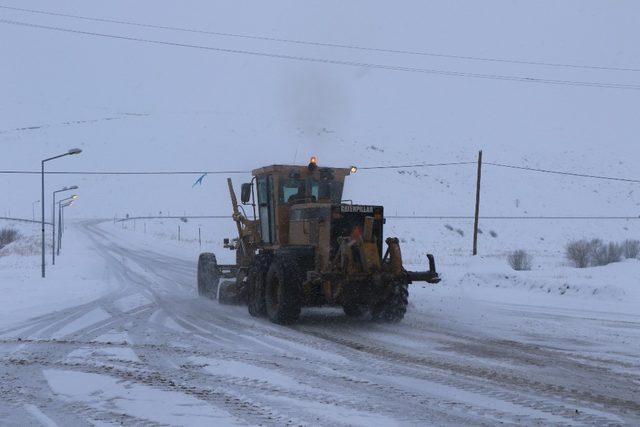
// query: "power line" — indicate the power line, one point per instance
point(420, 165)
point(323, 44)
point(215, 172)
point(237, 172)
point(338, 62)
point(25, 172)
point(580, 175)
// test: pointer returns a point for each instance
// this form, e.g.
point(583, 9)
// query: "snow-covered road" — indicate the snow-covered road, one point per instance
point(151, 352)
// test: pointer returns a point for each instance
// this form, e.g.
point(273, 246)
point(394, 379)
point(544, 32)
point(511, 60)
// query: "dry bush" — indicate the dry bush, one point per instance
point(603, 254)
point(8, 235)
point(520, 260)
point(631, 248)
point(579, 253)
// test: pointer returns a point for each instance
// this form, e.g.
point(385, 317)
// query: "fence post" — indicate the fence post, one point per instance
point(199, 237)
point(477, 215)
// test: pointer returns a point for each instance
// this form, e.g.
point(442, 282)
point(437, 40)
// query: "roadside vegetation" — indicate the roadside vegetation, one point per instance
point(8, 235)
point(520, 260)
point(592, 253)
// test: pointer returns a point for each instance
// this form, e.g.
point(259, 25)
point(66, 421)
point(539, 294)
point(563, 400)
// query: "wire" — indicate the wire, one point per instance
point(23, 172)
point(218, 172)
point(323, 44)
point(338, 62)
point(175, 217)
point(421, 165)
point(23, 220)
point(581, 175)
point(416, 217)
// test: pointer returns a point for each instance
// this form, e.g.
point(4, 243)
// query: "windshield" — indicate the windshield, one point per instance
point(327, 189)
point(298, 190)
point(293, 190)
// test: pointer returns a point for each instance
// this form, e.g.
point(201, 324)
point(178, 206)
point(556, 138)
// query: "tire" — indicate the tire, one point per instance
point(354, 309)
point(225, 293)
point(282, 291)
point(394, 307)
point(255, 292)
point(208, 275)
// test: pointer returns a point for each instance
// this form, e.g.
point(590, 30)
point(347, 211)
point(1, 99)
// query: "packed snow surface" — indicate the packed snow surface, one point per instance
point(116, 333)
point(486, 345)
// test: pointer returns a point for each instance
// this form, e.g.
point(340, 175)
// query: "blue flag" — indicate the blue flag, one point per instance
point(199, 180)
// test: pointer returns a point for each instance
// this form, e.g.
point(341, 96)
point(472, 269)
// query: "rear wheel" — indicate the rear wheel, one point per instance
point(282, 291)
point(394, 307)
point(208, 275)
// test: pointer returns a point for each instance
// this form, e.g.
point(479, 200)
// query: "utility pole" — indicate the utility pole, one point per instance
point(477, 215)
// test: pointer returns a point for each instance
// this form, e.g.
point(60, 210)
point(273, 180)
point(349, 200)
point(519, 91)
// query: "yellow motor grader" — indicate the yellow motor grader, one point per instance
point(305, 246)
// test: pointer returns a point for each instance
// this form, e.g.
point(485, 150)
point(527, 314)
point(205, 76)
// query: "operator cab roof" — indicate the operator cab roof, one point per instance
point(302, 170)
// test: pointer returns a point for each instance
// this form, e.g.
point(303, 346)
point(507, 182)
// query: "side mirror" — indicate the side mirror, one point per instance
point(245, 193)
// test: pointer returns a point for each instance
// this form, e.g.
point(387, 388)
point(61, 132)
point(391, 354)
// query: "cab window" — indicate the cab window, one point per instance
point(293, 190)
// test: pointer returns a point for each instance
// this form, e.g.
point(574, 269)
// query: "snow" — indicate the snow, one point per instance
point(103, 392)
point(76, 279)
point(39, 416)
point(248, 372)
point(131, 302)
point(122, 295)
point(110, 354)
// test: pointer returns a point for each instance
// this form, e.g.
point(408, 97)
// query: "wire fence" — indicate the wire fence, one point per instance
point(407, 217)
point(5, 218)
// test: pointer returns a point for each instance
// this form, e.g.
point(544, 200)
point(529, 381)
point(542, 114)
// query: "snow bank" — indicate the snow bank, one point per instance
point(75, 279)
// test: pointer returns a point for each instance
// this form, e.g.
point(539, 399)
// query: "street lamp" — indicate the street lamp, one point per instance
point(61, 205)
point(53, 221)
point(71, 152)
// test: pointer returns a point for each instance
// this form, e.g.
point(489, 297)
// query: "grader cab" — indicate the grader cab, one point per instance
point(305, 246)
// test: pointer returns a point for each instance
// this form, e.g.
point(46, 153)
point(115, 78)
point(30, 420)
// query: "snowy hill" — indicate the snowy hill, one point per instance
point(138, 106)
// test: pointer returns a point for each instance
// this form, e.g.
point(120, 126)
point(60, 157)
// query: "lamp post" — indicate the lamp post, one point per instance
point(71, 152)
point(53, 221)
point(61, 206)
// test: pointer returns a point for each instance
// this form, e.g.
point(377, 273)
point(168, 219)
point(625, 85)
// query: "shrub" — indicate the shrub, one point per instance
point(460, 232)
point(579, 253)
point(631, 248)
point(493, 234)
point(448, 227)
point(8, 235)
point(520, 260)
point(603, 254)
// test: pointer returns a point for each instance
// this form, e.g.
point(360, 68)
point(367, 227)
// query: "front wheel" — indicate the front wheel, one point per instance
point(282, 291)
point(393, 308)
point(255, 292)
point(208, 275)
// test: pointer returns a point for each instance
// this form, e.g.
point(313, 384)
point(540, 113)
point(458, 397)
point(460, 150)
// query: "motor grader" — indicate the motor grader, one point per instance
point(305, 246)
